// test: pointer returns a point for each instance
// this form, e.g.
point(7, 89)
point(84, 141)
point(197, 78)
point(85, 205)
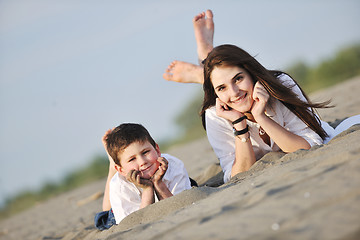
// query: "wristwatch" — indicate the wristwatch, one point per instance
point(241, 132)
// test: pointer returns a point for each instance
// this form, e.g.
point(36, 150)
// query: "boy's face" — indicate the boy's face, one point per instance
point(141, 157)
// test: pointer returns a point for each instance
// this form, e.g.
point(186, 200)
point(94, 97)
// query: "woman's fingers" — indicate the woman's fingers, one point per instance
point(260, 93)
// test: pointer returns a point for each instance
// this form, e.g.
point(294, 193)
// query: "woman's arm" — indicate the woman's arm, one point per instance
point(286, 140)
point(244, 152)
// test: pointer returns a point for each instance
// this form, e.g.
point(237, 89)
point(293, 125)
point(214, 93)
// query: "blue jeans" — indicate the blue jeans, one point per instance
point(104, 220)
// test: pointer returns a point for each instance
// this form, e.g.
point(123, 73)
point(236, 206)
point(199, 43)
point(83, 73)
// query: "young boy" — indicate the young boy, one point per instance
point(139, 174)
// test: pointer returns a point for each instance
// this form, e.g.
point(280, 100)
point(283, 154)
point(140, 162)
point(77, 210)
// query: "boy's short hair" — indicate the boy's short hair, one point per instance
point(124, 135)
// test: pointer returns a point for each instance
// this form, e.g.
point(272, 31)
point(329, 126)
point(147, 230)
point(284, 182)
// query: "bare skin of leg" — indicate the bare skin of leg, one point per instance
point(106, 200)
point(204, 33)
point(184, 72)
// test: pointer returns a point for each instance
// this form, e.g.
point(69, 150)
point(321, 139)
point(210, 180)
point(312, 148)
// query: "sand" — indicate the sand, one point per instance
point(311, 194)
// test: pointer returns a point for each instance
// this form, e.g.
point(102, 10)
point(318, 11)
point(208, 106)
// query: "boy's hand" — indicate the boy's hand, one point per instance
point(161, 190)
point(134, 177)
point(159, 174)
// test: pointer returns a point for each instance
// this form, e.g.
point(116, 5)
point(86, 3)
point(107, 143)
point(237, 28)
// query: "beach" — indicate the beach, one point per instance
point(308, 194)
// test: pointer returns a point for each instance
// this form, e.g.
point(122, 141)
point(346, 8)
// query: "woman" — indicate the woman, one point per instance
point(249, 110)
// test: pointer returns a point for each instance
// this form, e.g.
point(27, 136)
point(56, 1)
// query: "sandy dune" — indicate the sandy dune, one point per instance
point(311, 194)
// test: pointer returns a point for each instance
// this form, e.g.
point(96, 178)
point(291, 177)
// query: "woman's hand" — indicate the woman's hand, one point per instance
point(261, 97)
point(224, 111)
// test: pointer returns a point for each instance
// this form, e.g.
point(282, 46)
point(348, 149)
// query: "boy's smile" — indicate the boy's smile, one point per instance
point(141, 157)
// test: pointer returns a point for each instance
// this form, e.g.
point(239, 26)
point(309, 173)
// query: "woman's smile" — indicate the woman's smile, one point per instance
point(233, 86)
point(239, 99)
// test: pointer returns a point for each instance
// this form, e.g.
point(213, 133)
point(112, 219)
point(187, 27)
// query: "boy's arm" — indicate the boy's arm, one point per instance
point(147, 196)
point(162, 191)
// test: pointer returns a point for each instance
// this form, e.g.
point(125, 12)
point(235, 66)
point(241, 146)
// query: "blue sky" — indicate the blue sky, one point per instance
point(70, 70)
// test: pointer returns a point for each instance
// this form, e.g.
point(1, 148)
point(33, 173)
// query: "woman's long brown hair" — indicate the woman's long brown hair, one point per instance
point(230, 55)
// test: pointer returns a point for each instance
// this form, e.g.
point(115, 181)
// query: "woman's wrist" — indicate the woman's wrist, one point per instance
point(240, 119)
point(240, 126)
point(260, 118)
point(239, 123)
point(244, 137)
point(241, 132)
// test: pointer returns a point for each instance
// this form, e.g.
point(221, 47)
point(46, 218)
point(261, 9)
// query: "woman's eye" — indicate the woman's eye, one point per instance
point(131, 159)
point(238, 78)
point(220, 89)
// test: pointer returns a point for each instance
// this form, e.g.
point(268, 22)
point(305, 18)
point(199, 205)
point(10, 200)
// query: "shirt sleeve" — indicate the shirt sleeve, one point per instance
point(292, 122)
point(221, 138)
point(124, 198)
point(176, 177)
point(290, 83)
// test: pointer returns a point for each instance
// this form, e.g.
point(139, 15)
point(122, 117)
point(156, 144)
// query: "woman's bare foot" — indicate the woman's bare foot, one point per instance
point(184, 72)
point(204, 33)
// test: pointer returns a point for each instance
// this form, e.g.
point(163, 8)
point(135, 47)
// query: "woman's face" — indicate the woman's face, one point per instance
point(233, 86)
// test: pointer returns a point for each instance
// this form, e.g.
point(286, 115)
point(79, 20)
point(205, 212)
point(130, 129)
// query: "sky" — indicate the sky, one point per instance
point(70, 70)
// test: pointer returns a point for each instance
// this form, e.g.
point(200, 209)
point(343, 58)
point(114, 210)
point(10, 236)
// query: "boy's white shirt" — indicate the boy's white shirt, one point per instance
point(220, 131)
point(125, 197)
